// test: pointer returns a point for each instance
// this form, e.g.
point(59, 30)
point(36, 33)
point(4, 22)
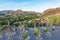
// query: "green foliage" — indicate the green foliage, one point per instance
point(45, 30)
point(1, 27)
point(37, 31)
point(24, 35)
point(17, 18)
point(54, 20)
point(53, 28)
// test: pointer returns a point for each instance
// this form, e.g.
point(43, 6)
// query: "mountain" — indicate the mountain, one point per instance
point(19, 12)
point(16, 12)
point(6, 12)
point(51, 11)
point(24, 12)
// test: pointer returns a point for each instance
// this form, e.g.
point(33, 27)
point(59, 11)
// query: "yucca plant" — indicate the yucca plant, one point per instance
point(9, 36)
point(1, 27)
point(1, 30)
point(34, 23)
point(23, 25)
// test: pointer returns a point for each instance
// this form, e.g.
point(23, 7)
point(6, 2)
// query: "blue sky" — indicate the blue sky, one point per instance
point(29, 5)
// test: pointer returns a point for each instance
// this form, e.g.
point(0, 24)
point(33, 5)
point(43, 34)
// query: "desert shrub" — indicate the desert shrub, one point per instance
point(37, 31)
point(24, 35)
point(45, 30)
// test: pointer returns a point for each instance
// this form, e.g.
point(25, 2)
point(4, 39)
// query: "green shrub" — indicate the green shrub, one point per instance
point(53, 28)
point(37, 31)
point(45, 30)
point(24, 35)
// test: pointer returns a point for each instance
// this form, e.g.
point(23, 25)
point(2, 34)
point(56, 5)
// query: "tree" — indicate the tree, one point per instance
point(34, 23)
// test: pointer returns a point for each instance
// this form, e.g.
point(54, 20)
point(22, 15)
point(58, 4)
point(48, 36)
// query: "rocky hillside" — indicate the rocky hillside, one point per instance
point(51, 11)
